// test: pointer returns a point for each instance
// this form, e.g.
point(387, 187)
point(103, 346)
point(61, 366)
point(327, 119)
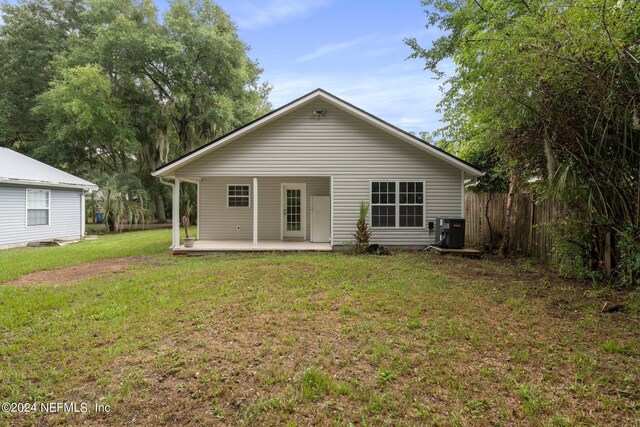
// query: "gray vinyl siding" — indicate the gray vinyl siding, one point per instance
point(218, 222)
point(65, 218)
point(341, 145)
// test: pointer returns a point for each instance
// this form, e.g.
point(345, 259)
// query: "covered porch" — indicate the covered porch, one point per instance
point(268, 213)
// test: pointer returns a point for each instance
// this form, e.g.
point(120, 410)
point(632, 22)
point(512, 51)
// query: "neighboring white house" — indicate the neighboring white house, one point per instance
point(300, 173)
point(38, 202)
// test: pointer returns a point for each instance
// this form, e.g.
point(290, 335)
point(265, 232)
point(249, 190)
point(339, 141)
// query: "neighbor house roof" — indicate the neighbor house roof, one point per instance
point(16, 168)
point(169, 168)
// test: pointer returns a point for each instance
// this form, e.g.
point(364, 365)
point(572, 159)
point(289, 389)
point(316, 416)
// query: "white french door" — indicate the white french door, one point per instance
point(294, 211)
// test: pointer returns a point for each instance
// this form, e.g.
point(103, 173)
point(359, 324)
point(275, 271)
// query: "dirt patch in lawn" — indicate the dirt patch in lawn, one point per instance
point(78, 272)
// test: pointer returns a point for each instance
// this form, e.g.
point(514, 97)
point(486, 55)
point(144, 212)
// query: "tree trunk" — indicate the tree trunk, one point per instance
point(183, 134)
point(506, 235)
point(162, 218)
point(486, 215)
point(110, 223)
point(552, 163)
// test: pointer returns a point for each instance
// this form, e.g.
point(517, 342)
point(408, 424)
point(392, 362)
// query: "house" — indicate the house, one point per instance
point(295, 178)
point(38, 202)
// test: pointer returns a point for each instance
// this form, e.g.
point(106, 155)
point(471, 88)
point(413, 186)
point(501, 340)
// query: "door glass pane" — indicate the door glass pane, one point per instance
point(294, 219)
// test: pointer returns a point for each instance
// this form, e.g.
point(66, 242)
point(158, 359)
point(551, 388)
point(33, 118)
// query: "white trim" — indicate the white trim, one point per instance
point(198, 211)
point(331, 203)
point(190, 180)
point(328, 97)
point(397, 203)
point(255, 211)
point(462, 194)
point(248, 196)
point(47, 184)
point(175, 214)
point(303, 208)
point(26, 206)
point(83, 218)
point(311, 222)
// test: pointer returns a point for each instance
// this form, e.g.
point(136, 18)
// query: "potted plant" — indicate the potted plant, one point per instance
point(188, 241)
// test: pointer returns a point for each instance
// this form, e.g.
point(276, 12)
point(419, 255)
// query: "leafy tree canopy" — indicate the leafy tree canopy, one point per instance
point(107, 84)
point(552, 87)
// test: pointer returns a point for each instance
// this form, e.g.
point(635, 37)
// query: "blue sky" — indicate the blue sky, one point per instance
point(351, 48)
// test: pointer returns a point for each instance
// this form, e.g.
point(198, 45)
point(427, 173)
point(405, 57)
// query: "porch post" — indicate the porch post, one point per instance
point(175, 214)
point(198, 210)
point(332, 211)
point(255, 212)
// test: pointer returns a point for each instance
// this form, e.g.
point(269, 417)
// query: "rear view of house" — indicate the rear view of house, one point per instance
point(298, 175)
point(38, 202)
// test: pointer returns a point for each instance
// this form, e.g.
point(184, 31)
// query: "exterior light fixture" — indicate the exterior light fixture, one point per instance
point(318, 114)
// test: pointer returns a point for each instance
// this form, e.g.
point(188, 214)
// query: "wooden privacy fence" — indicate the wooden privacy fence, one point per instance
point(531, 234)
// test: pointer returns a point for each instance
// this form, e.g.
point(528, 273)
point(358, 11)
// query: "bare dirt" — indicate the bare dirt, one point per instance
point(61, 276)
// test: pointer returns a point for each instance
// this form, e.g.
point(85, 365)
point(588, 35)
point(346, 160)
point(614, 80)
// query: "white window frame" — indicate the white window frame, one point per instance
point(383, 227)
point(397, 204)
point(26, 204)
point(248, 197)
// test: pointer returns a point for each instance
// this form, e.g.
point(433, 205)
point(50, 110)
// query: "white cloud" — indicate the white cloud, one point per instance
point(265, 13)
point(403, 95)
point(332, 48)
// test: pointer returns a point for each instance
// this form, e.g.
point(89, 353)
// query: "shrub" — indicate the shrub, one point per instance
point(363, 231)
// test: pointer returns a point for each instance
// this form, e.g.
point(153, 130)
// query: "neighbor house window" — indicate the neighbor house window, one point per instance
point(397, 204)
point(237, 196)
point(37, 207)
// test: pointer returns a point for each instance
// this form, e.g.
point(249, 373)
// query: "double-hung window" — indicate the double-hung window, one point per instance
point(383, 204)
point(397, 204)
point(238, 196)
point(37, 207)
point(411, 203)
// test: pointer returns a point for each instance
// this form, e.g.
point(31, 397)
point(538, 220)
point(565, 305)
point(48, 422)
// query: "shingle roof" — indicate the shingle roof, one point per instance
point(16, 168)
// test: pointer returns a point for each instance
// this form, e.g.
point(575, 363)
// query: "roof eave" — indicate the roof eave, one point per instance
point(88, 186)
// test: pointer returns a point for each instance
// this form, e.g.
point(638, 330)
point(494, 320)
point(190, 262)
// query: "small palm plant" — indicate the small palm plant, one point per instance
point(121, 197)
point(363, 231)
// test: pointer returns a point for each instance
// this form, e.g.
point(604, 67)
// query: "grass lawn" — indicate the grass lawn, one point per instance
point(310, 338)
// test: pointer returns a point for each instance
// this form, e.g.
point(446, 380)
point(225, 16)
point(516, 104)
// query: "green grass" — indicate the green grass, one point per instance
point(311, 338)
point(17, 262)
point(316, 384)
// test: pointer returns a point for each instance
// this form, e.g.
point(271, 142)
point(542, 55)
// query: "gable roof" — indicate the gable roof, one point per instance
point(168, 168)
point(16, 168)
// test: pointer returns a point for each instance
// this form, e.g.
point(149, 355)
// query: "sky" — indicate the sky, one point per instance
point(351, 48)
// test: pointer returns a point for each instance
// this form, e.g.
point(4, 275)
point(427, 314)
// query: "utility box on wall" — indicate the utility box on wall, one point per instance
point(450, 233)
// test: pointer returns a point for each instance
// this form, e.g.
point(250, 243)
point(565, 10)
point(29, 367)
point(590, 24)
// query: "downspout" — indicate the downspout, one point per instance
point(170, 184)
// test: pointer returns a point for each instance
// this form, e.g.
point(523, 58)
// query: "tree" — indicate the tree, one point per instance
point(81, 107)
point(553, 87)
point(107, 84)
point(222, 90)
point(31, 35)
point(120, 197)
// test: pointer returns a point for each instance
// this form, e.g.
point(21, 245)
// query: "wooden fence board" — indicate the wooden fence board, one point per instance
point(530, 232)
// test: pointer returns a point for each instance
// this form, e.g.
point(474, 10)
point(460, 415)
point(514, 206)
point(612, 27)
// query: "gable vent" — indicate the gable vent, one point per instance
point(319, 114)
